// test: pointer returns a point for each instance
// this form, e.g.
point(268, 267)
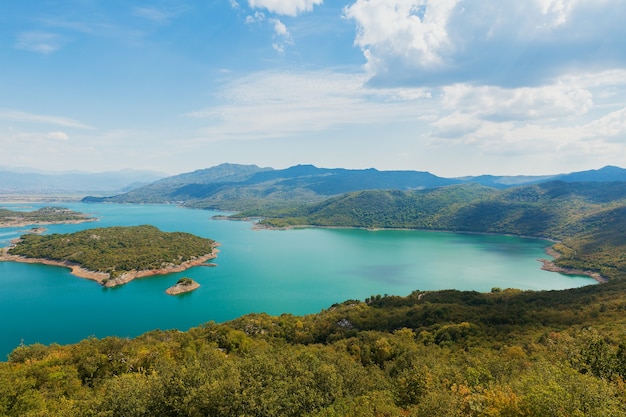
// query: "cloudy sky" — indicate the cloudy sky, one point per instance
point(454, 87)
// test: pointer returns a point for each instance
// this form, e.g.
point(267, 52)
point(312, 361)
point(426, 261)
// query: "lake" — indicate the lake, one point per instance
point(298, 271)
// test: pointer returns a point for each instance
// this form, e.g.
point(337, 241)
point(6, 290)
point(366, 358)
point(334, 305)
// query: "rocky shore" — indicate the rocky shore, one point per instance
point(181, 288)
point(549, 265)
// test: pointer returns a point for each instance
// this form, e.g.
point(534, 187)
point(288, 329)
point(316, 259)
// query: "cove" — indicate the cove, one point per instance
point(298, 271)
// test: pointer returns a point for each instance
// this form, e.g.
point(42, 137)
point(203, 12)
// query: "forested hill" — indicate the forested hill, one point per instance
point(115, 250)
point(589, 218)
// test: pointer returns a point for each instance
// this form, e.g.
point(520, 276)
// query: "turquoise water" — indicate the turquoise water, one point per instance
point(291, 271)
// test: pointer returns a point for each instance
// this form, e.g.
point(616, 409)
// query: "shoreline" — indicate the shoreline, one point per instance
point(547, 265)
point(550, 266)
point(104, 278)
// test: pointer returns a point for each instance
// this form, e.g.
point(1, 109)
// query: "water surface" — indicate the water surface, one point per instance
point(297, 271)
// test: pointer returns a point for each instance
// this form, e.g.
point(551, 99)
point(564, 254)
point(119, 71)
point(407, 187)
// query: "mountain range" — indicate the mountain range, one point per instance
point(240, 187)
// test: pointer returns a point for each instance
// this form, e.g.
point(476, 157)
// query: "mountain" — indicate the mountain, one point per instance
point(607, 174)
point(236, 187)
point(24, 182)
point(188, 186)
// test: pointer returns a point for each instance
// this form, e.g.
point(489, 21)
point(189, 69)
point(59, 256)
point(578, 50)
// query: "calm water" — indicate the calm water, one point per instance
point(294, 271)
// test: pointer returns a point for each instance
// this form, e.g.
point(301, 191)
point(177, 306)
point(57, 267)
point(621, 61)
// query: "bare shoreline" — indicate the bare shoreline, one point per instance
point(104, 278)
point(550, 266)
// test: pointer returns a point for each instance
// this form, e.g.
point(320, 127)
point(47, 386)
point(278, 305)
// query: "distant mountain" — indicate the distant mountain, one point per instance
point(233, 187)
point(606, 174)
point(240, 187)
point(506, 181)
point(23, 182)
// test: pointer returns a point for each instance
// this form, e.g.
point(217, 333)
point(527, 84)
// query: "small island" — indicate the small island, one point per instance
point(44, 215)
point(182, 286)
point(114, 255)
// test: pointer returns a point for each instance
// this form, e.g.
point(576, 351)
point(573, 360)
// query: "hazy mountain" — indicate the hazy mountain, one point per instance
point(23, 182)
point(238, 187)
point(230, 186)
point(607, 174)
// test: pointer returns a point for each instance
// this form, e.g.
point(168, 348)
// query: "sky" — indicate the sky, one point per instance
point(453, 87)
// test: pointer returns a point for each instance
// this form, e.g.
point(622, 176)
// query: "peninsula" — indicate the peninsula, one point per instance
point(44, 215)
point(114, 255)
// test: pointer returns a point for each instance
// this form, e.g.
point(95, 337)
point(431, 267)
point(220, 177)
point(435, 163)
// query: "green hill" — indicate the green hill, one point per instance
point(115, 250)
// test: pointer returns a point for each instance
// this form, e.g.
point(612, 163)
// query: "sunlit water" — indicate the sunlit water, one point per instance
point(294, 271)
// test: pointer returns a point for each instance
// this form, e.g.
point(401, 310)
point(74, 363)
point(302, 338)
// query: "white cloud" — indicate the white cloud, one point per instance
point(19, 116)
point(285, 7)
point(41, 42)
point(279, 27)
point(283, 104)
point(492, 42)
point(559, 100)
point(58, 136)
point(257, 17)
point(415, 29)
point(282, 37)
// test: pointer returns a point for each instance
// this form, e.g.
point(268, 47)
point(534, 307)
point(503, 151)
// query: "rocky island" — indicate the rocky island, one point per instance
point(114, 255)
point(44, 215)
point(182, 286)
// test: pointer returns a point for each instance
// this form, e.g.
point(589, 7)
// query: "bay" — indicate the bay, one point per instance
point(298, 271)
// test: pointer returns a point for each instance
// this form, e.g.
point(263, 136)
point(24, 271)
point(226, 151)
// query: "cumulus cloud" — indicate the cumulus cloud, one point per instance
point(282, 37)
point(285, 7)
point(37, 41)
point(428, 42)
point(257, 17)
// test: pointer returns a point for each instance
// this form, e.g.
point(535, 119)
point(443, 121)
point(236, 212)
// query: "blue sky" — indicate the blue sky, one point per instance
point(454, 87)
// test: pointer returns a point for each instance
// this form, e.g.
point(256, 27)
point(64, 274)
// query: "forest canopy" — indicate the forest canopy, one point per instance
point(116, 250)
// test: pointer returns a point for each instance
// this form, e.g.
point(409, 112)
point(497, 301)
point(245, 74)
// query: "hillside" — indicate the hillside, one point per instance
point(588, 218)
point(444, 353)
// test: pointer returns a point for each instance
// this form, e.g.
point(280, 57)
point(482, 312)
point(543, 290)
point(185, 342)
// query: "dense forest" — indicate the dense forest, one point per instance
point(442, 353)
point(116, 250)
point(589, 219)
point(40, 216)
